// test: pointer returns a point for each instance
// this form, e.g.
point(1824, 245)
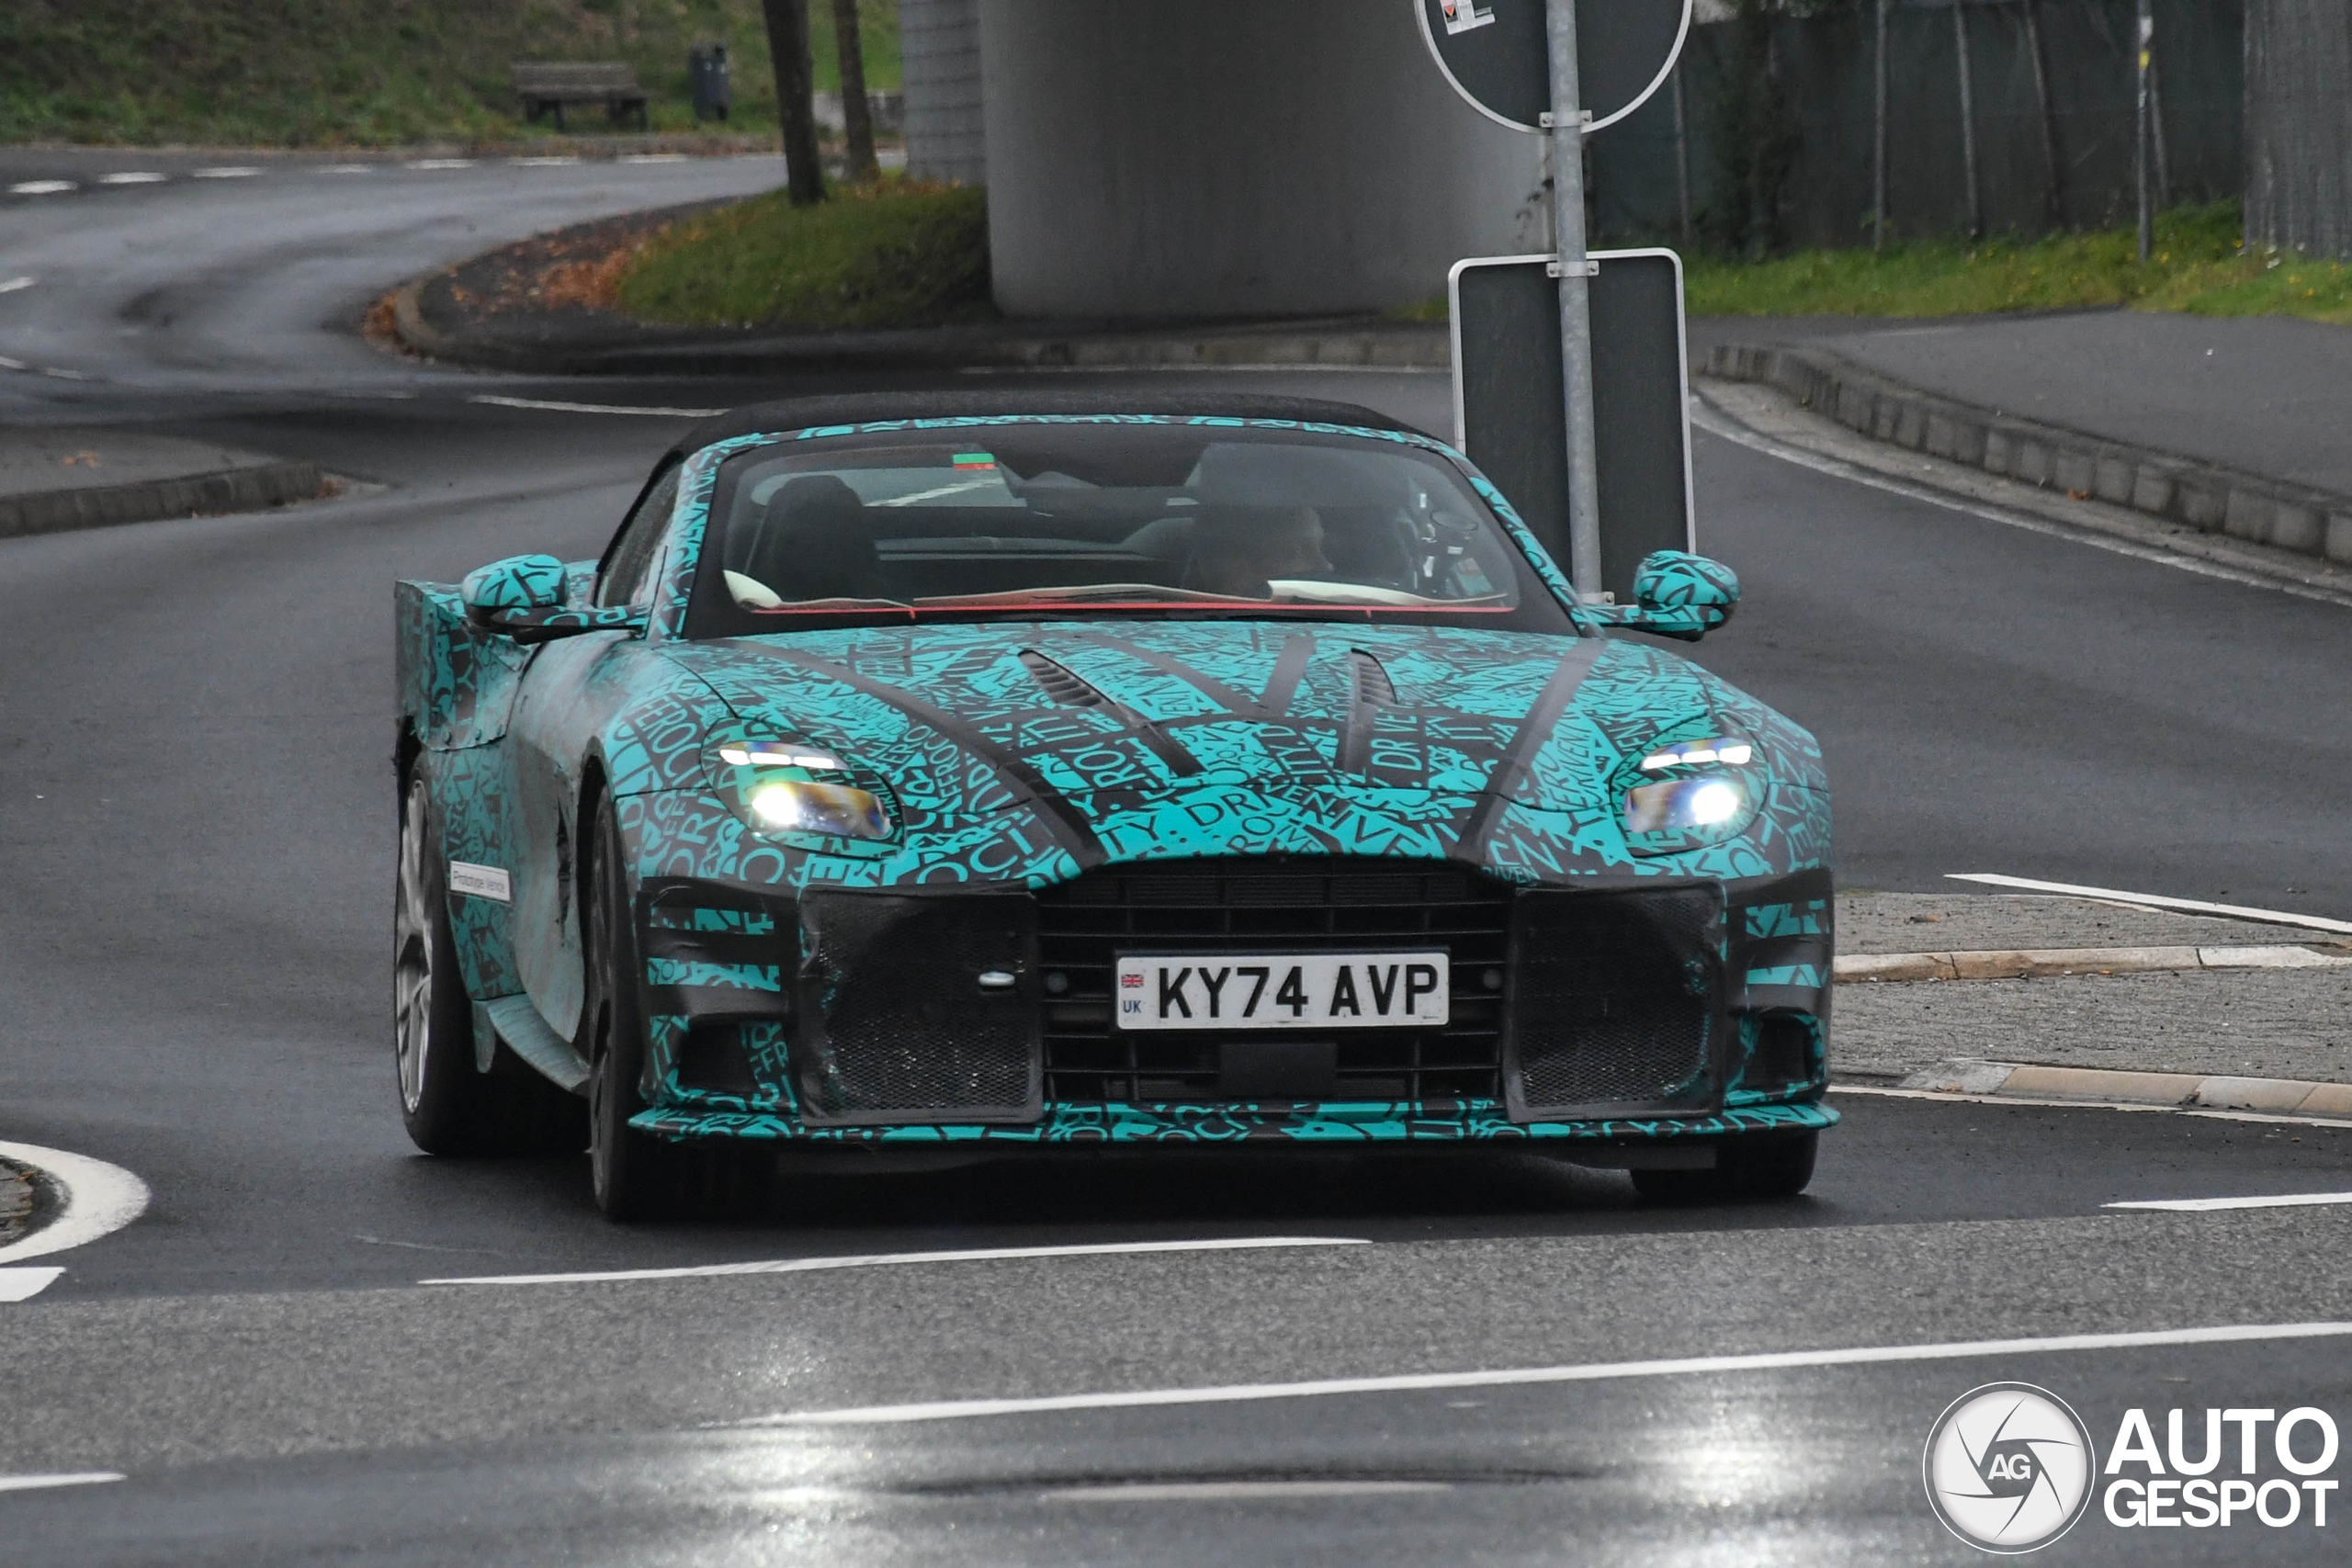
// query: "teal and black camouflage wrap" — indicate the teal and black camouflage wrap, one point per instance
point(1507, 752)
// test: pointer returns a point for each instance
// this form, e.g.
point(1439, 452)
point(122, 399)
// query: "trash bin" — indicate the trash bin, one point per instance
point(707, 75)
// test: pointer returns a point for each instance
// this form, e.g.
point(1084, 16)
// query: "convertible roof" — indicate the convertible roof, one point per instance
point(803, 413)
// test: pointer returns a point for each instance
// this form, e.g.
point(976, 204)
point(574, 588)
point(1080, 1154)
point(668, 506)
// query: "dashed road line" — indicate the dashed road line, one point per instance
point(895, 1260)
point(239, 172)
point(42, 188)
point(1692, 1366)
point(654, 158)
point(71, 1478)
point(563, 161)
point(1238, 1491)
point(497, 400)
point(133, 178)
point(2153, 900)
point(348, 169)
point(2215, 1205)
point(10, 285)
point(440, 163)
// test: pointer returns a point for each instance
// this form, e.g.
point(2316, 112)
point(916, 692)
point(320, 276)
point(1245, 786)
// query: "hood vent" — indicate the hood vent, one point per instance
point(1369, 691)
point(1071, 690)
point(1060, 684)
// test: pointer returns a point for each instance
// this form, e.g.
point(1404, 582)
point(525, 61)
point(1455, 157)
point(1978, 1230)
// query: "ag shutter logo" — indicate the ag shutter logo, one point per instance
point(2008, 1468)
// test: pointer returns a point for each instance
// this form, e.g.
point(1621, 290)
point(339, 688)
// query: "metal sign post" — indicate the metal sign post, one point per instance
point(1575, 301)
point(1536, 66)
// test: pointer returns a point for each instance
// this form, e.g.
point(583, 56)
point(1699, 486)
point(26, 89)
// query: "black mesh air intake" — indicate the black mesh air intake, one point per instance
point(897, 1026)
point(1617, 1003)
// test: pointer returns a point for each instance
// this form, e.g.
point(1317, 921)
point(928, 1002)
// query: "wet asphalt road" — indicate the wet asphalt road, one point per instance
point(195, 836)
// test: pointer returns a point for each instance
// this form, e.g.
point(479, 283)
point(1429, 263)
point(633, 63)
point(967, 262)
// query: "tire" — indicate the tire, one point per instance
point(1747, 1169)
point(634, 1177)
point(448, 1104)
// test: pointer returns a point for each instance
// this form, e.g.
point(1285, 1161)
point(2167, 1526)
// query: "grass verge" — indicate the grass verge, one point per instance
point(2199, 267)
point(900, 253)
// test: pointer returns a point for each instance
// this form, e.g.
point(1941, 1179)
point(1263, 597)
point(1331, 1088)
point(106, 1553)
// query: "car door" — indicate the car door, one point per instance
point(572, 690)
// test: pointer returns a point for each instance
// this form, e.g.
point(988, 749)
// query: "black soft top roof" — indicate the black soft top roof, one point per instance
point(862, 407)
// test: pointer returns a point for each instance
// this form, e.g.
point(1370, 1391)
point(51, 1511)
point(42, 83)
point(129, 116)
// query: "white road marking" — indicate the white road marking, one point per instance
point(133, 177)
point(24, 1284)
point(441, 163)
point(13, 284)
point(504, 402)
point(41, 187)
point(53, 372)
point(1716, 424)
point(564, 162)
point(2210, 1205)
point(655, 158)
point(891, 1260)
point(75, 1477)
point(8, 364)
point(238, 172)
point(1238, 1491)
point(100, 1199)
point(1693, 1366)
point(348, 169)
point(2154, 901)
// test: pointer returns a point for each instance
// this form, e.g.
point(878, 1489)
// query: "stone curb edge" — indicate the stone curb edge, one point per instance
point(2186, 1091)
point(148, 501)
point(1397, 348)
point(2026, 964)
point(2208, 497)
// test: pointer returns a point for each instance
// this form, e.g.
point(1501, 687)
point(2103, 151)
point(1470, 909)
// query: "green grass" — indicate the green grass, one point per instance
point(2199, 267)
point(358, 72)
point(896, 255)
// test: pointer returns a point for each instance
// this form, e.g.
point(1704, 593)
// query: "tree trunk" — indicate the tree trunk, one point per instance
point(857, 114)
point(788, 48)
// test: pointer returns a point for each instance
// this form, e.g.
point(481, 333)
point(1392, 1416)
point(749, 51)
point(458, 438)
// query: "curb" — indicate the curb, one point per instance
point(2029, 963)
point(1397, 347)
point(148, 501)
point(2208, 497)
point(2186, 1092)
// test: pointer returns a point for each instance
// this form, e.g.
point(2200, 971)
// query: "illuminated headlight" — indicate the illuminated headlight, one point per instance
point(1701, 806)
point(1691, 753)
point(836, 811)
point(781, 788)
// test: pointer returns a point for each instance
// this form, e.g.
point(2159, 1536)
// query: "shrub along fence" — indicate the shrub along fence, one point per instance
point(1767, 138)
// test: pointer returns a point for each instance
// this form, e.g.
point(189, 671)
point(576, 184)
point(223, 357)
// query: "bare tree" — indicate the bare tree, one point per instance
point(857, 114)
point(794, 83)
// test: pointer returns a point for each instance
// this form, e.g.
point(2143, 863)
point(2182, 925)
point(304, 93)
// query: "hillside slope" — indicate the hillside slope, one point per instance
point(325, 73)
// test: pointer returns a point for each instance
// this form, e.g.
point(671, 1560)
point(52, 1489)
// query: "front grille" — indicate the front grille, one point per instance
point(897, 1026)
point(1274, 906)
point(1617, 1003)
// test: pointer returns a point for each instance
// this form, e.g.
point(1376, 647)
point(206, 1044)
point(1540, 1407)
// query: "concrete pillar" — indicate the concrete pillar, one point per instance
point(939, 41)
point(1172, 159)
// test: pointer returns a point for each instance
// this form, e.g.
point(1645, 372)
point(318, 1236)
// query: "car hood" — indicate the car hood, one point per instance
point(1160, 740)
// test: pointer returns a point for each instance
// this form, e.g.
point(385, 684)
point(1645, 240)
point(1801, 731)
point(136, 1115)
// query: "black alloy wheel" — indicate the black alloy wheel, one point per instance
point(635, 1176)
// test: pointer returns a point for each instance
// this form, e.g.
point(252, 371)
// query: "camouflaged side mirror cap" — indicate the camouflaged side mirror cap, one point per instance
point(518, 583)
point(1676, 595)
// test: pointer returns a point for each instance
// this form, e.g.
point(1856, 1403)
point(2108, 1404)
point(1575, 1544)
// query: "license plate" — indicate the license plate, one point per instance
point(1291, 990)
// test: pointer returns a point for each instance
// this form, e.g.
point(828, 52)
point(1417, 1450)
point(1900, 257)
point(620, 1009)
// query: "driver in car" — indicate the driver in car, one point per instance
point(1240, 551)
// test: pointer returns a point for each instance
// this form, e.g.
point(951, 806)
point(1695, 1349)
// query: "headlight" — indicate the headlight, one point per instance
point(782, 788)
point(1704, 797)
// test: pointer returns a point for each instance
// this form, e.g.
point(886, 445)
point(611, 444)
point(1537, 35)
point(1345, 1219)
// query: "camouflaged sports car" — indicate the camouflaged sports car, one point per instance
point(1031, 771)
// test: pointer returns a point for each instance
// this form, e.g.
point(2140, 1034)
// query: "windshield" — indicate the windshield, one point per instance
point(1028, 520)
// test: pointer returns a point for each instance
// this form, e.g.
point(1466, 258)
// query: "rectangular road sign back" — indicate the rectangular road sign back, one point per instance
point(1510, 412)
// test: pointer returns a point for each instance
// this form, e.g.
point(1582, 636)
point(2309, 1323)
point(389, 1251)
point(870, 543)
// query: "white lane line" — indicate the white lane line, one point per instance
point(8, 364)
point(1694, 1366)
point(441, 163)
point(56, 374)
point(893, 1259)
point(74, 1478)
point(1238, 1491)
point(133, 177)
point(495, 400)
point(100, 1199)
point(1708, 418)
point(655, 158)
point(2211, 1205)
point(563, 162)
point(11, 285)
point(237, 172)
point(348, 169)
point(24, 1284)
point(2153, 900)
point(41, 187)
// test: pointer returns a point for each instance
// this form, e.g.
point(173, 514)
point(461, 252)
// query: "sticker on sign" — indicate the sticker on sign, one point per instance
point(1289, 990)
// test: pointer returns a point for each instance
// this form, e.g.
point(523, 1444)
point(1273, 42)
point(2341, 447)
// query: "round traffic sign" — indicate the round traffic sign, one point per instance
point(1495, 53)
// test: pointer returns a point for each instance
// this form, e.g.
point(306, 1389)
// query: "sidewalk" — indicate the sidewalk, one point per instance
point(2229, 426)
point(58, 478)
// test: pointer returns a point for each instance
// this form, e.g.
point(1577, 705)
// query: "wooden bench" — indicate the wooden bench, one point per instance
point(544, 86)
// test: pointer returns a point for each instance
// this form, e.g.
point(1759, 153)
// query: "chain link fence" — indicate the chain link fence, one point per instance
point(1767, 140)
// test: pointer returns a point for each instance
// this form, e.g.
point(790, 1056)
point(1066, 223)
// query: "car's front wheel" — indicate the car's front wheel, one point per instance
point(1747, 1169)
point(635, 1177)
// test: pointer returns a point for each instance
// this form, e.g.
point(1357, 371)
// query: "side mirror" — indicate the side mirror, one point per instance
point(523, 597)
point(1676, 595)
